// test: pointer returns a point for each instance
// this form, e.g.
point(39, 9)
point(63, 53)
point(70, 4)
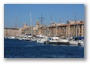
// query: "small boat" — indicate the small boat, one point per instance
point(34, 39)
point(58, 41)
point(41, 38)
point(73, 42)
point(11, 37)
point(53, 40)
point(24, 37)
point(64, 41)
point(6, 37)
point(80, 42)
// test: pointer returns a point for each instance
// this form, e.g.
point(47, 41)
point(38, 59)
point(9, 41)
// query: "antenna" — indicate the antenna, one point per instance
point(41, 19)
point(60, 20)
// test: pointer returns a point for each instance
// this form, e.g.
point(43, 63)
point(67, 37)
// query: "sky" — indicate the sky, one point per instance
point(15, 15)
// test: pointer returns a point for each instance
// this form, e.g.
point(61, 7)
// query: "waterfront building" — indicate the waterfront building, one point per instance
point(44, 30)
point(76, 28)
point(72, 28)
point(12, 32)
point(58, 29)
point(40, 29)
point(36, 28)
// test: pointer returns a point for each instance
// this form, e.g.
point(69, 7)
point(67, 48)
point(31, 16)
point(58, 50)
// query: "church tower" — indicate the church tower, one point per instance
point(37, 25)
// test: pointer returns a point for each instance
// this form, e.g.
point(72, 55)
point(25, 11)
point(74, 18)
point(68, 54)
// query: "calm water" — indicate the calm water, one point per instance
point(26, 49)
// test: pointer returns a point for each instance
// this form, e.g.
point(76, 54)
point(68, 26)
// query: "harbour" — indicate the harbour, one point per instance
point(71, 33)
point(36, 34)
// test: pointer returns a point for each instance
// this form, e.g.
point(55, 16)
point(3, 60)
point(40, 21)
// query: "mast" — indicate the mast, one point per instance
point(6, 33)
point(16, 21)
point(30, 23)
point(51, 18)
point(56, 29)
point(75, 26)
point(52, 34)
point(13, 26)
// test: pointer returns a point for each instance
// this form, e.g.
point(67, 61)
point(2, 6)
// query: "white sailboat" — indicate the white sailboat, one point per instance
point(33, 39)
point(41, 38)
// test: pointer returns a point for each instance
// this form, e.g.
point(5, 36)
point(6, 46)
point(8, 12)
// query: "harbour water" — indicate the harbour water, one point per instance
point(26, 49)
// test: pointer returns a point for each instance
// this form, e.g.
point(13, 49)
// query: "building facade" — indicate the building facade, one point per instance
point(72, 28)
point(12, 32)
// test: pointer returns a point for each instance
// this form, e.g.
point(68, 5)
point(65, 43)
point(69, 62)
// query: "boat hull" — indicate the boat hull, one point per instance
point(58, 43)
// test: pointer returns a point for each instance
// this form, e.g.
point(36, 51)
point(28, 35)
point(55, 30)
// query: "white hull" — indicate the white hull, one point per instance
point(81, 43)
point(42, 40)
point(12, 37)
point(57, 40)
point(73, 43)
point(78, 42)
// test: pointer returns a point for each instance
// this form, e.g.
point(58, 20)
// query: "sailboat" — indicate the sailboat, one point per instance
point(33, 39)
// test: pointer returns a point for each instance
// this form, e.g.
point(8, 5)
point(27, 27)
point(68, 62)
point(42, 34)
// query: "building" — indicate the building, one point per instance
point(36, 28)
point(40, 29)
point(72, 28)
point(75, 28)
point(44, 30)
point(12, 32)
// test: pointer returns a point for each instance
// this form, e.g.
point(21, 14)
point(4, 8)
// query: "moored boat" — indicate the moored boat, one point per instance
point(11, 37)
point(41, 38)
point(57, 41)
